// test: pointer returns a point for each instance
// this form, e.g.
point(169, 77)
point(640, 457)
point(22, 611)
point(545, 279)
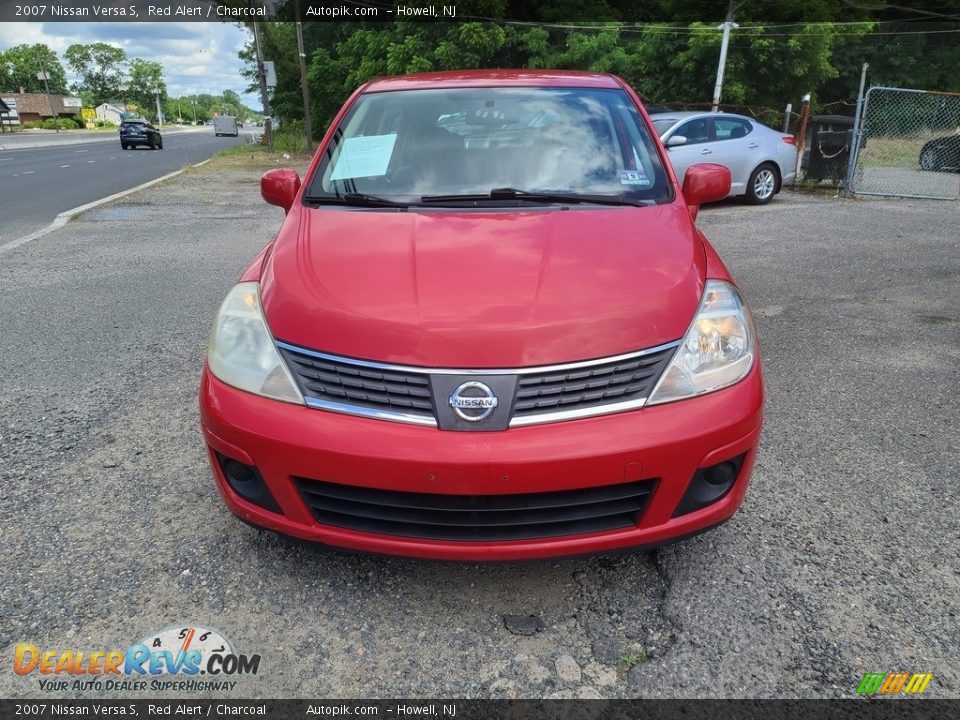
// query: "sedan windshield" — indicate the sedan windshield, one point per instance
point(442, 145)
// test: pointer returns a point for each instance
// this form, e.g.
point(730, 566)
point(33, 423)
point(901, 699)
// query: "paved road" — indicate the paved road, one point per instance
point(39, 183)
point(843, 560)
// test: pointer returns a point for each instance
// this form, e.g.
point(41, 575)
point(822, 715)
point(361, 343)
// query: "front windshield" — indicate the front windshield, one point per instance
point(408, 144)
point(663, 125)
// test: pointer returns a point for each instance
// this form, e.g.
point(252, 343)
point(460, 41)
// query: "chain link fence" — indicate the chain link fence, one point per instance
point(908, 145)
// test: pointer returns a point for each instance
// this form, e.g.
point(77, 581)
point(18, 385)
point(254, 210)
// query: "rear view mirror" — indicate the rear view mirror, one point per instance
point(280, 187)
point(676, 141)
point(705, 183)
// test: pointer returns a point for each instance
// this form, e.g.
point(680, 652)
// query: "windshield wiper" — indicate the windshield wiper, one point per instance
point(550, 197)
point(354, 198)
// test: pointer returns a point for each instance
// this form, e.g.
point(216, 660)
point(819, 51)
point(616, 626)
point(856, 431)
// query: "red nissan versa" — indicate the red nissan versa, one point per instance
point(488, 329)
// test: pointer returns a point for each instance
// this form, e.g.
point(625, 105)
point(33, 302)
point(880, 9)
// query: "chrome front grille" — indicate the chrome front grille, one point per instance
point(541, 394)
point(330, 381)
point(592, 386)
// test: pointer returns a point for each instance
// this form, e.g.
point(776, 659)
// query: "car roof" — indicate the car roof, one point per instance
point(493, 78)
point(687, 114)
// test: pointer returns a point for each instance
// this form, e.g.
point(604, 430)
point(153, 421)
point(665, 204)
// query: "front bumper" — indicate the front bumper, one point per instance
point(664, 444)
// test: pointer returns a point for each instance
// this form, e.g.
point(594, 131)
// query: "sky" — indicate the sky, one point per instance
point(197, 57)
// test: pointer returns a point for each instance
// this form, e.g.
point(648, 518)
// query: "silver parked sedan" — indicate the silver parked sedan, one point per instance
point(761, 159)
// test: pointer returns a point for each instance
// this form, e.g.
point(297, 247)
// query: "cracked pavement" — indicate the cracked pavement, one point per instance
point(844, 559)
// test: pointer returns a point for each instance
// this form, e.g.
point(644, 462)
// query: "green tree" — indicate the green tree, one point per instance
point(145, 77)
point(100, 67)
point(20, 65)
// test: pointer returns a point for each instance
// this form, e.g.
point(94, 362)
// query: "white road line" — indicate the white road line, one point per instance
point(2, 159)
point(113, 157)
point(90, 161)
point(63, 218)
point(63, 166)
point(28, 172)
point(80, 151)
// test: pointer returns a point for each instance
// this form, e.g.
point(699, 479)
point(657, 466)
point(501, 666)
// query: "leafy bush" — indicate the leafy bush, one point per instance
point(290, 139)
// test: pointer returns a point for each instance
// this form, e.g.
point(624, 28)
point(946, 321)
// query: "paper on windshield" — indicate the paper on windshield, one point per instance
point(364, 156)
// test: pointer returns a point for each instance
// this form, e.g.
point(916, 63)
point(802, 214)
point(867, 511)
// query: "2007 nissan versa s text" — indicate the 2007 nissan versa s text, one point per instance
point(487, 329)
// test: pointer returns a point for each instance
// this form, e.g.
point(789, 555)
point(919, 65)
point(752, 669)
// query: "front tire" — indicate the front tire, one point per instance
point(160, 144)
point(763, 184)
point(124, 146)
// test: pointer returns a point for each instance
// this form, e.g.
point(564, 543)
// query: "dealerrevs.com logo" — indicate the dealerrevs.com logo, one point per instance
point(182, 659)
point(895, 683)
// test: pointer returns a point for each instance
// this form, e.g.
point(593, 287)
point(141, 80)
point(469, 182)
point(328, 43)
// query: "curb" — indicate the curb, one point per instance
point(63, 218)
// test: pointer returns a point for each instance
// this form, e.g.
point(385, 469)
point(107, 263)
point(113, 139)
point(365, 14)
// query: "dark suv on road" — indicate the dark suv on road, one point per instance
point(139, 132)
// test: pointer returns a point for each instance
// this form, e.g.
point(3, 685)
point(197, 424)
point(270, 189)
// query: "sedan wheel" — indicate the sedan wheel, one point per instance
point(762, 185)
point(928, 159)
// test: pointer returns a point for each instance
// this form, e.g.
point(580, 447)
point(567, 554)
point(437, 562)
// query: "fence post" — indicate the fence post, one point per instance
point(855, 137)
point(802, 134)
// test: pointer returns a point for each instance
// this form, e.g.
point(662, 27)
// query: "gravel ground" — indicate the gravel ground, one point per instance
point(845, 558)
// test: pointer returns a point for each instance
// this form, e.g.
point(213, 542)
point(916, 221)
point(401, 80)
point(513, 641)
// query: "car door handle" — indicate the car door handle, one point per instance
point(706, 151)
point(753, 146)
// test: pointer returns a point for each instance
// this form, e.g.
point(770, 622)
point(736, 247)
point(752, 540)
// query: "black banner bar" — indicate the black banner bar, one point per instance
point(854, 709)
point(228, 11)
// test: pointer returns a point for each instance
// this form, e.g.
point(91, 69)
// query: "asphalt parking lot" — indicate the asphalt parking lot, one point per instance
point(844, 559)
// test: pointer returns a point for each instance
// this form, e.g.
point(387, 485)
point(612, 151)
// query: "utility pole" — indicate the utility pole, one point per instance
point(268, 118)
point(156, 91)
point(307, 124)
point(194, 111)
point(42, 75)
point(728, 25)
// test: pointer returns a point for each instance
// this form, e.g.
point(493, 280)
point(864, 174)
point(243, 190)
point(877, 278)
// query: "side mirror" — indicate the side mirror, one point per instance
point(676, 141)
point(705, 183)
point(280, 187)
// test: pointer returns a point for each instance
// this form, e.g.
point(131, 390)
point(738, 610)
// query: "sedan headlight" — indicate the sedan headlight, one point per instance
point(242, 352)
point(717, 351)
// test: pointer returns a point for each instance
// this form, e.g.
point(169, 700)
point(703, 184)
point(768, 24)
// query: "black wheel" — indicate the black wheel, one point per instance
point(929, 160)
point(152, 144)
point(123, 146)
point(763, 184)
point(160, 143)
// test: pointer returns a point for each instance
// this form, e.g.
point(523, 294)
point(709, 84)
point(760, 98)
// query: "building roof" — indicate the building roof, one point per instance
point(3, 106)
point(39, 103)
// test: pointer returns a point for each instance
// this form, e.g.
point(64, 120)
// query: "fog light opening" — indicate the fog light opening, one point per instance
point(710, 484)
point(722, 474)
point(247, 482)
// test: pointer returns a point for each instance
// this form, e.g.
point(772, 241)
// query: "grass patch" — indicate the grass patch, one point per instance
point(630, 660)
point(253, 158)
point(895, 152)
point(241, 150)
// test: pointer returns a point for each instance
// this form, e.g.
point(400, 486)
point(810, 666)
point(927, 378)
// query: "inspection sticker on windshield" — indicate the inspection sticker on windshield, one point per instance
point(634, 177)
point(364, 156)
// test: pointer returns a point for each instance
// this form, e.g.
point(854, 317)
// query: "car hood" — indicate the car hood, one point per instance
point(487, 289)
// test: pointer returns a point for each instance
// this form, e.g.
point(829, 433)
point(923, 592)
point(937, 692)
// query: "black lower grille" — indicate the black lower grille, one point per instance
point(476, 517)
point(342, 382)
point(583, 387)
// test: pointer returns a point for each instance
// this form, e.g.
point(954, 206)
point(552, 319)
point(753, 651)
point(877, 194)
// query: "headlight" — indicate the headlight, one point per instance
point(242, 352)
point(718, 349)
